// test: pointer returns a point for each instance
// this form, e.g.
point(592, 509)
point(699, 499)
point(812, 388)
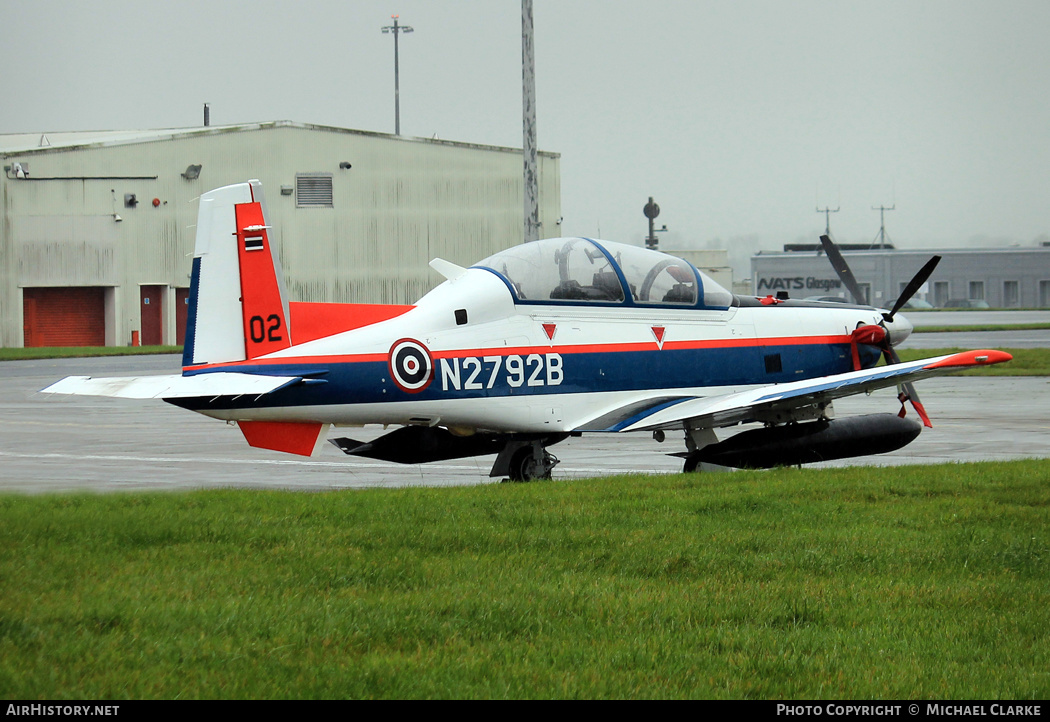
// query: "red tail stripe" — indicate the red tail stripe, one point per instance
point(265, 326)
point(320, 320)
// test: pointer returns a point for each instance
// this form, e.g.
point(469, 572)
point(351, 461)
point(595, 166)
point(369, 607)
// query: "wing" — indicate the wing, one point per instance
point(767, 402)
point(172, 386)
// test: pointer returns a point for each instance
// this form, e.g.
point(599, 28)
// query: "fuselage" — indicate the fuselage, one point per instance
point(471, 356)
point(532, 344)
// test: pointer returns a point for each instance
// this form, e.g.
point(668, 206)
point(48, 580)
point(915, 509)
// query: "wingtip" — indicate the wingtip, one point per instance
point(984, 357)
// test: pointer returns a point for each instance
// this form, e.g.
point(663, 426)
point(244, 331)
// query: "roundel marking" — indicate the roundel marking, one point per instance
point(410, 365)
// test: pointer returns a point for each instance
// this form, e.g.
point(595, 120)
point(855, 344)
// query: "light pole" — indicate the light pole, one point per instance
point(397, 30)
point(528, 120)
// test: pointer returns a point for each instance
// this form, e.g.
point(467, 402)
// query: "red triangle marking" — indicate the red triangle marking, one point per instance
point(658, 331)
point(549, 329)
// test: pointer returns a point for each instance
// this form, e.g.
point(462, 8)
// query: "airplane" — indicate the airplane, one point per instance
point(535, 344)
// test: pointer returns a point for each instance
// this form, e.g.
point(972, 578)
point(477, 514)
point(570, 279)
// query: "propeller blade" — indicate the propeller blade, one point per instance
point(842, 269)
point(907, 389)
point(913, 285)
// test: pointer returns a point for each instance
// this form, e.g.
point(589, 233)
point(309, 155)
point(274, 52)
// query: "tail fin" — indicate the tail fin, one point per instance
point(238, 307)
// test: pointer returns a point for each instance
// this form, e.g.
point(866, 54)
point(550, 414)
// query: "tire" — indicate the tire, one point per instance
point(524, 467)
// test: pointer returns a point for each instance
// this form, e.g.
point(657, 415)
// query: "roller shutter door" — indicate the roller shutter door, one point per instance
point(64, 316)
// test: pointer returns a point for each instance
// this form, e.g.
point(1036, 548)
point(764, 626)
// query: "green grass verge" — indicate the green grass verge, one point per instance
point(988, 327)
point(894, 583)
point(1026, 361)
point(931, 311)
point(21, 354)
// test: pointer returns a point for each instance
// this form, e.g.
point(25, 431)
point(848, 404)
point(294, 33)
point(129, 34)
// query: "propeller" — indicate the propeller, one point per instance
point(878, 335)
point(842, 269)
point(849, 280)
point(913, 285)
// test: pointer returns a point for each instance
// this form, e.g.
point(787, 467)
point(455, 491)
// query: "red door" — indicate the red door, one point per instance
point(64, 316)
point(182, 308)
point(150, 314)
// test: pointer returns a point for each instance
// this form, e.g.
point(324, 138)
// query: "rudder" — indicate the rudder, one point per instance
point(238, 309)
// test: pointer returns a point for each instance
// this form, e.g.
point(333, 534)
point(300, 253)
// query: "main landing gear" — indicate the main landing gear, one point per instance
point(526, 460)
point(695, 440)
point(692, 462)
point(532, 463)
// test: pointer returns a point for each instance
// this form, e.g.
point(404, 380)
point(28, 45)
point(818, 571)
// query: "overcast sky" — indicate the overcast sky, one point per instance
point(740, 118)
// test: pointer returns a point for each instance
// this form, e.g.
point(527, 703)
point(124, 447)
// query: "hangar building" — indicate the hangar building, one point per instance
point(1001, 277)
point(96, 241)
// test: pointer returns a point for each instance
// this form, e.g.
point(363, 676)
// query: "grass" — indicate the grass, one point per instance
point(910, 311)
point(987, 327)
point(903, 582)
point(22, 354)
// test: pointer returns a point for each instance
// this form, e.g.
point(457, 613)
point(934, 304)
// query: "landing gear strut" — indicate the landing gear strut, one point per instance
point(692, 462)
point(696, 439)
point(525, 458)
point(532, 462)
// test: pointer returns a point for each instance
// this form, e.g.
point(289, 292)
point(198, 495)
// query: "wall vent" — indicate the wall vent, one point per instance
point(313, 190)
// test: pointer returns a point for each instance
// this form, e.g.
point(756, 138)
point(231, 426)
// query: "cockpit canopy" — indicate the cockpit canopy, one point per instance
point(583, 271)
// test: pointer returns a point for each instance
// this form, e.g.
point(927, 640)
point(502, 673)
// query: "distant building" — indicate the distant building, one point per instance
point(999, 277)
point(97, 237)
point(713, 262)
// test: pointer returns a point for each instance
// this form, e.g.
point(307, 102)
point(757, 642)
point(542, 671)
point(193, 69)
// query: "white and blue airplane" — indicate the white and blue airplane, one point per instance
point(537, 343)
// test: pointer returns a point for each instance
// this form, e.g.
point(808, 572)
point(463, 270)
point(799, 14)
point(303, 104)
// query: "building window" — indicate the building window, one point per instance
point(1011, 294)
point(865, 288)
point(941, 295)
point(1044, 294)
point(313, 190)
point(976, 290)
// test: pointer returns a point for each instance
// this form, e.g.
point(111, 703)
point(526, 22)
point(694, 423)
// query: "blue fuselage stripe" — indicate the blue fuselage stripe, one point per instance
point(469, 377)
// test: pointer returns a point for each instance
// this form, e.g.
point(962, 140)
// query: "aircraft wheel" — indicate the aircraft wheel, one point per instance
point(524, 466)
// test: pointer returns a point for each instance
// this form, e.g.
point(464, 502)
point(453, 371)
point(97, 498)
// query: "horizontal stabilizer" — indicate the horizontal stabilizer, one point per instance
point(171, 386)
